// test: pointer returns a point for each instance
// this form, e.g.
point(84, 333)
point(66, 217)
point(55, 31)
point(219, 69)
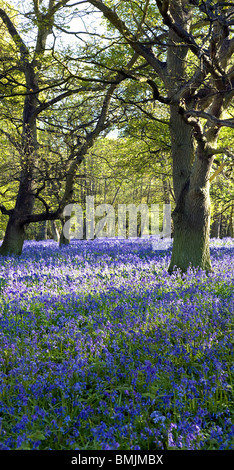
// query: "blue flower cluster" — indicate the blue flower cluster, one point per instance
point(100, 348)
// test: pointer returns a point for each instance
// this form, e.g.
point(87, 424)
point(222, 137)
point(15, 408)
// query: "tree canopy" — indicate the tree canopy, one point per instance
point(160, 73)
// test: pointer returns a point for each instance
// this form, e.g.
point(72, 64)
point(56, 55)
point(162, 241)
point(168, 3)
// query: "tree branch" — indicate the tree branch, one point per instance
point(55, 100)
point(189, 40)
point(32, 218)
point(24, 52)
point(5, 211)
point(216, 173)
point(131, 39)
point(210, 118)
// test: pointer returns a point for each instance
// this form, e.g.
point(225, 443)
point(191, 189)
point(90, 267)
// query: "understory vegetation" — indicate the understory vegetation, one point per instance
point(100, 348)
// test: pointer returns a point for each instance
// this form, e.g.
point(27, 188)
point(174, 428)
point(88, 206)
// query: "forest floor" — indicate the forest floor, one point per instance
point(100, 348)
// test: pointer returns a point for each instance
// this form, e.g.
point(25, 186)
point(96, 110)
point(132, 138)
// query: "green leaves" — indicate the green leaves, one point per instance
point(37, 436)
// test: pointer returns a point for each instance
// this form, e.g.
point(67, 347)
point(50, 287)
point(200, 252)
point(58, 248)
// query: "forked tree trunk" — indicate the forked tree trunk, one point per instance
point(15, 231)
point(191, 218)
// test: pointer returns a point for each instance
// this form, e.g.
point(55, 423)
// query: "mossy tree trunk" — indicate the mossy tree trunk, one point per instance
point(190, 168)
point(193, 149)
point(191, 219)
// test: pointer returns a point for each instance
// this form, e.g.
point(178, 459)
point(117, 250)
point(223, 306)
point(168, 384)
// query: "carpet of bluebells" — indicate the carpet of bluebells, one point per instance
point(100, 348)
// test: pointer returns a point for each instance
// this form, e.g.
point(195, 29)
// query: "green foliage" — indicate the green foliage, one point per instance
point(138, 161)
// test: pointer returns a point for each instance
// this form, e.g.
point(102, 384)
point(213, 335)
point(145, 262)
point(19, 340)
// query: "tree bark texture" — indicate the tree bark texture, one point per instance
point(191, 217)
point(15, 232)
point(25, 198)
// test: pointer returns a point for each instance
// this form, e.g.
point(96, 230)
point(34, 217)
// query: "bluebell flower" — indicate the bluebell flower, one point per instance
point(157, 417)
point(97, 335)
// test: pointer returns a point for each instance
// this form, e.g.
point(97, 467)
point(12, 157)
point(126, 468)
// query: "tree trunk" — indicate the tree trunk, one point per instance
point(14, 237)
point(55, 232)
point(230, 223)
point(28, 153)
point(62, 239)
point(215, 228)
point(15, 231)
point(191, 233)
point(42, 231)
point(190, 247)
point(191, 219)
